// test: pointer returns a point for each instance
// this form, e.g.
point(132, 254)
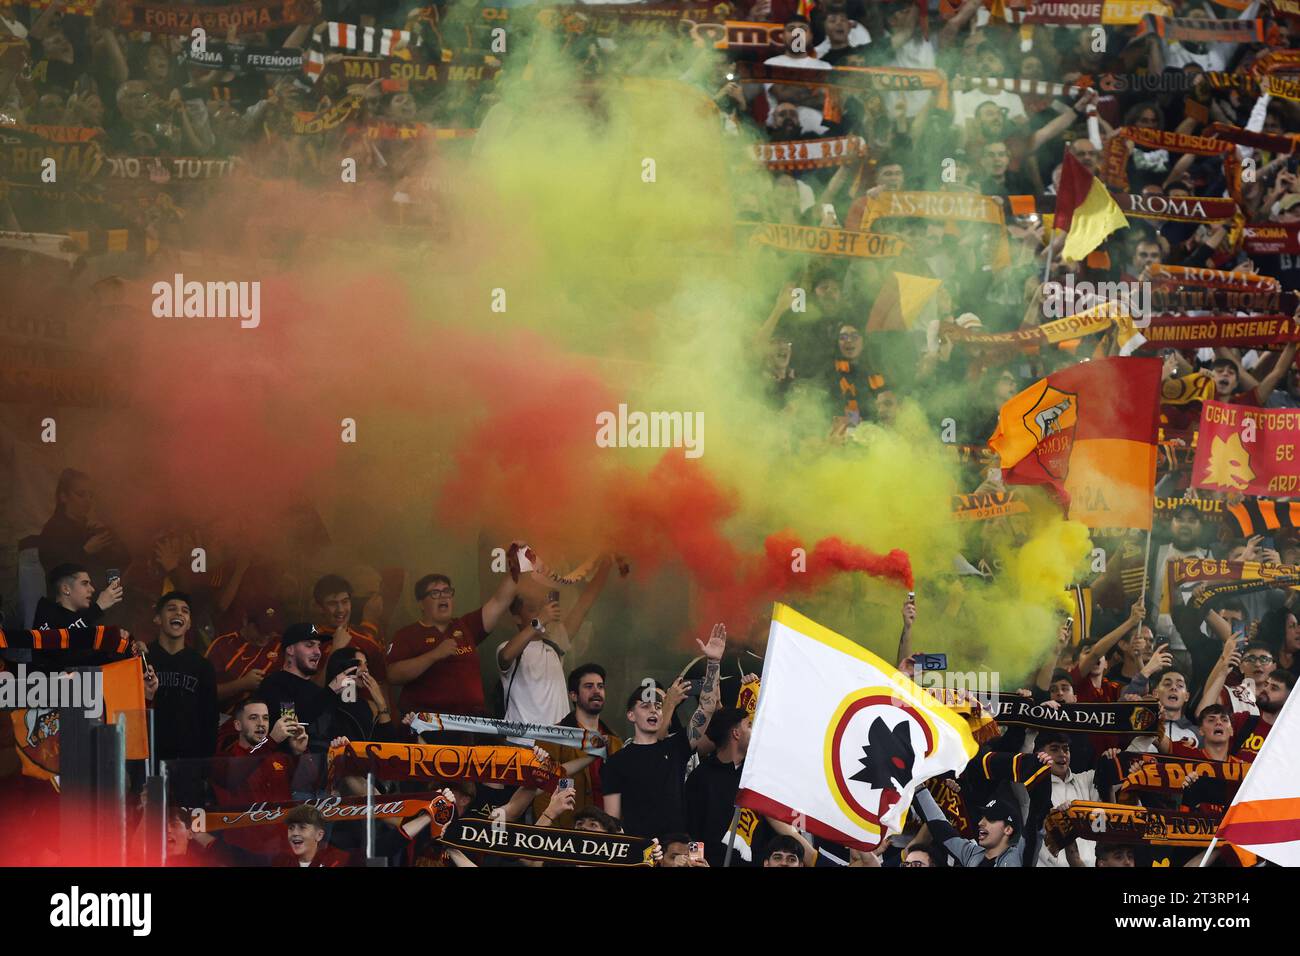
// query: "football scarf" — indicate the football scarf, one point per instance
point(1175, 276)
point(1185, 389)
point(1117, 154)
point(1202, 331)
point(1264, 516)
point(1285, 144)
point(983, 505)
point(1129, 718)
point(311, 124)
point(1170, 82)
point(1121, 823)
point(1088, 322)
point(375, 40)
point(110, 640)
point(549, 844)
point(1187, 29)
point(1286, 87)
point(809, 153)
point(1177, 208)
point(242, 58)
point(820, 241)
point(1272, 238)
point(514, 766)
point(1228, 577)
point(177, 20)
point(576, 737)
point(953, 806)
point(1210, 506)
point(333, 809)
point(851, 79)
point(1164, 773)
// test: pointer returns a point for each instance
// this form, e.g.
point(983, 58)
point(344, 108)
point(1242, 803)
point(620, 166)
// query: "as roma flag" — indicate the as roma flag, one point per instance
point(1089, 433)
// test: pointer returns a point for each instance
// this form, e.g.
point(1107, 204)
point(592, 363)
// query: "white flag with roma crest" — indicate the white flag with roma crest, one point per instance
point(841, 739)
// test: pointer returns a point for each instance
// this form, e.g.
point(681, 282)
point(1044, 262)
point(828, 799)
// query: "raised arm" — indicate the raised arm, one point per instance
point(1102, 647)
point(497, 605)
point(1044, 680)
point(1229, 659)
point(578, 613)
point(905, 638)
point(1278, 372)
point(712, 652)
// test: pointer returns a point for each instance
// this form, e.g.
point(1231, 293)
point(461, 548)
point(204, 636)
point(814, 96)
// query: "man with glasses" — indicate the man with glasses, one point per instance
point(435, 659)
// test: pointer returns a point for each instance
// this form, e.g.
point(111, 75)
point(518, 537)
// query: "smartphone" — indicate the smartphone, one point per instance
point(288, 711)
point(566, 783)
point(696, 851)
point(930, 662)
point(1239, 634)
point(113, 575)
point(552, 597)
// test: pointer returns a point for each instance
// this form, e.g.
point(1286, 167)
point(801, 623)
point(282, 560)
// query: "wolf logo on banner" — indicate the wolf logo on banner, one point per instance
point(1051, 420)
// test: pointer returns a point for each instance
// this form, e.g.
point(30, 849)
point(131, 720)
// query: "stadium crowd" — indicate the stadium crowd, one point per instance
point(249, 693)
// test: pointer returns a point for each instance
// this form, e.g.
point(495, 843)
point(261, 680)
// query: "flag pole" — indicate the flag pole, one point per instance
point(1051, 247)
point(1209, 850)
point(731, 837)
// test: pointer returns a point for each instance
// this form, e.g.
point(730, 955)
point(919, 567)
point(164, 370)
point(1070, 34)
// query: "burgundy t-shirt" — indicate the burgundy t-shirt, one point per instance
point(453, 685)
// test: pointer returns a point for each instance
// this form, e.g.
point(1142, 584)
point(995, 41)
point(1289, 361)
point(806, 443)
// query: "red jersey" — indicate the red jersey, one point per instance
point(245, 777)
point(232, 657)
point(1246, 742)
point(453, 685)
point(1085, 693)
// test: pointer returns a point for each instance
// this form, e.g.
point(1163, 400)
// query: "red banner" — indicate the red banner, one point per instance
point(1207, 331)
point(1251, 451)
point(1270, 238)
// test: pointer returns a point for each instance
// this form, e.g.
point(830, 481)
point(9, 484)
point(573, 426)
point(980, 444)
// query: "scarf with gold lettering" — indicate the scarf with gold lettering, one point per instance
point(23, 151)
point(1170, 81)
point(820, 241)
point(1163, 773)
point(1180, 289)
point(333, 809)
point(1120, 823)
point(549, 844)
point(616, 20)
point(1228, 577)
point(514, 766)
point(946, 207)
point(311, 124)
point(1272, 238)
point(984, 505)
point(1117, 154)
point(1212, 506)
point(1204, 331)
point(1185, 389)
point(747, 698)
point(809, 153)
point(1099, 318)
point(1175, 276)
point(178, 20)
point(953, 806)
point(576, 737)
point(1285, 143)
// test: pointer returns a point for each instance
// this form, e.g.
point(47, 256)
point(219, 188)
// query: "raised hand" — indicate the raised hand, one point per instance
point(717, 644)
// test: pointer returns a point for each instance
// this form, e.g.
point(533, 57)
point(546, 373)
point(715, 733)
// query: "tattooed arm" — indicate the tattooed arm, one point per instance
point(712, 651)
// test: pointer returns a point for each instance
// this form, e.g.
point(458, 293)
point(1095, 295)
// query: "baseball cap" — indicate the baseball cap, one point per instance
point(1002, 811)
point(295, 633)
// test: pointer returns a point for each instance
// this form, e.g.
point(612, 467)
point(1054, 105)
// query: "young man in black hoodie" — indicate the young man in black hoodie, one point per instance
point(73, 605)
point(180, 685)
point(711, 791)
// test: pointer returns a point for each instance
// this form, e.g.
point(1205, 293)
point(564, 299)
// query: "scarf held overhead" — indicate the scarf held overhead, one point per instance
point(514, 766)
point(576, 737)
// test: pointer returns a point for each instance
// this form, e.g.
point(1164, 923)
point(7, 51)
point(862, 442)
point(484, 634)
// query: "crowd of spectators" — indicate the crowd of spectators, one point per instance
point(238, 679)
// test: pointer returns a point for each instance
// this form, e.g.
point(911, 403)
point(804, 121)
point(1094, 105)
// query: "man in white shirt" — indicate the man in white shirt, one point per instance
point(1067, 786)
point(531, 663)
point(1185, 532)
point(797, 55)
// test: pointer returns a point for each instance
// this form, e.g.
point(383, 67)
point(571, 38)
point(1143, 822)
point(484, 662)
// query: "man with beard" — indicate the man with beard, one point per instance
point(786, 122)
point(711, 790)
point(180, 685)
point(806, 100)
point(1184, 532)
point(1250, 730)
point(300, 649)
point(333, 596)
point(587, 694)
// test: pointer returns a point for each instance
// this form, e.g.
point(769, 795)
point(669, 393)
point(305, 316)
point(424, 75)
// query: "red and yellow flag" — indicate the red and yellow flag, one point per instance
point(1088, 432)
point(1085, 210)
